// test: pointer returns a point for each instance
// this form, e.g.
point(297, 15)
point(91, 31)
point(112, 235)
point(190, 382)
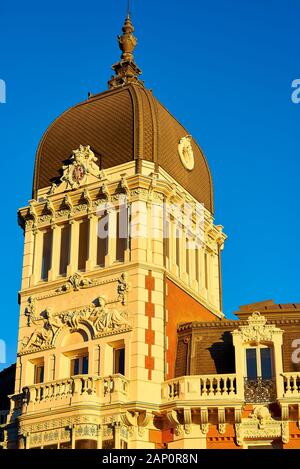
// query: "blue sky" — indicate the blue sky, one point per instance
point(224, 69)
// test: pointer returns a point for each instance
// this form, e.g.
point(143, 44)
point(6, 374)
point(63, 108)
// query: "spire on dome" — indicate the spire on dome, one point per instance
point(126, 71)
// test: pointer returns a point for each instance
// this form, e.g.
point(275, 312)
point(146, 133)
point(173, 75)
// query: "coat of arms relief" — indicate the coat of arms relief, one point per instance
point(82, 169)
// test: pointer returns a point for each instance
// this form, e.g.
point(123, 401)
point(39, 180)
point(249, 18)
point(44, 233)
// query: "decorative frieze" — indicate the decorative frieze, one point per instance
point(101, 319)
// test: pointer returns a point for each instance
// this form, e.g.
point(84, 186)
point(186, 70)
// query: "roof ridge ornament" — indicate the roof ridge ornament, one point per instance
point(126, 70)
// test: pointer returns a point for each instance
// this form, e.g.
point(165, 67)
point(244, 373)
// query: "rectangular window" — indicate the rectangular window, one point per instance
point(83, 244)
point(266, 363)
point(102, 239)
point(122, 233)
point(251, 363)
point(259, 362)
point(39, 374)
point(119, 361)
point(46, 254)
point(64, 250)
point(79, 366)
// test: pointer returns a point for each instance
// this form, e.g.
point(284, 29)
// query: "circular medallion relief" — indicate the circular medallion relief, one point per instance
point(186, 153)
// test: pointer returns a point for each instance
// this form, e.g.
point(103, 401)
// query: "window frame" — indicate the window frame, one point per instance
point(258, 349)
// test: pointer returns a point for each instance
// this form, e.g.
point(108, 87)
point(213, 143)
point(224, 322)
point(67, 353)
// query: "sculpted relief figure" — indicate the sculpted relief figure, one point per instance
point(123, 288)
point(43, 335)
point(108, 319)
point(72, 318)
point(30, 310)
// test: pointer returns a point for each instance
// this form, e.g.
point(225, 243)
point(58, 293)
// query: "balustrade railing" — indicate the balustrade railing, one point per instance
point(291, 384)
point(196, 387)
point(76, 389)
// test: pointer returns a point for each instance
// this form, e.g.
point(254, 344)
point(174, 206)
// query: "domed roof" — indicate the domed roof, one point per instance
point(123, 124)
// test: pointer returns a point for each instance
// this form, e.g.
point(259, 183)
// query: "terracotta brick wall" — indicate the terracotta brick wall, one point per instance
point(180, 307)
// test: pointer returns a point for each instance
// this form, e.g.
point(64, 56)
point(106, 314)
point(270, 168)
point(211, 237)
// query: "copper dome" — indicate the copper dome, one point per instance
point(120, 125)
point(123, 124)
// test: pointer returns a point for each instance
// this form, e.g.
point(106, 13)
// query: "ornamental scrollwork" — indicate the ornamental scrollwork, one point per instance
point(257, 329)
point(261, 425)
point(75, 282)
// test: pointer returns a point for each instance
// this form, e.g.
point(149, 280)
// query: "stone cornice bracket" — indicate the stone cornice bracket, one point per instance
point(105, 190)
point(124, 184)
point(172, 195)
point(68, 203)
point(221, 420)
point(86, 196)
point(129, 418)
point(204, 419)
point(33, 215)
point(153, 185)
point(51, 210)
point(172, 417)
point(187, 420)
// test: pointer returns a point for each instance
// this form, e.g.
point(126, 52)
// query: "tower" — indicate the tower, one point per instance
point(119, 248)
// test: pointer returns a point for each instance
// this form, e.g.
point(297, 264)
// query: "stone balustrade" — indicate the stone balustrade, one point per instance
point(79, 390)
point(291, 384)
point(205, 387)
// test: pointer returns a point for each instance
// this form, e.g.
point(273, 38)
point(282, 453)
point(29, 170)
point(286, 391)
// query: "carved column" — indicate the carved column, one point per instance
point(27, 270)
point(92, 246)
point(55, 257)
point(221, 420)
point(239, 363)
point(202, 286)
point(74, 246)
point(150, 231)
point(277, 341)
point(174, 262)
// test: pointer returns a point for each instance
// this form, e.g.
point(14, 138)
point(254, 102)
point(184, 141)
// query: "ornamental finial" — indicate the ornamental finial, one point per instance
point(126, 70)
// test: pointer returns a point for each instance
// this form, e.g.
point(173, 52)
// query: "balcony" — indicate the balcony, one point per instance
point(204, 387)
point(77, 390)
point(291, 384)
point(259, 390)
